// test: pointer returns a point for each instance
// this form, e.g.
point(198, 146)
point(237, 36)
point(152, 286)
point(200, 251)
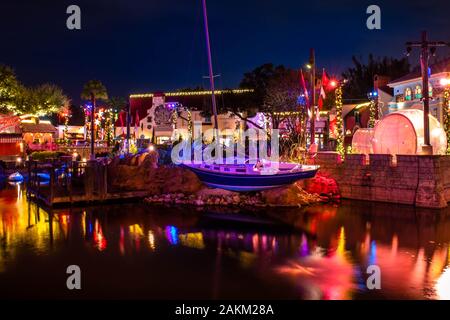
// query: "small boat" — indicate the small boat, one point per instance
point(249, 177)
point(15, 177)
point(245, 176)
point(42, 176)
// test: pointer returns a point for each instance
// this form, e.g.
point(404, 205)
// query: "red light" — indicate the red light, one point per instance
point(333, 83)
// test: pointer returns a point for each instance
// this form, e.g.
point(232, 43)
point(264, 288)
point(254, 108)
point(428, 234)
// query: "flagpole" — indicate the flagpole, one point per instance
point(312, 62)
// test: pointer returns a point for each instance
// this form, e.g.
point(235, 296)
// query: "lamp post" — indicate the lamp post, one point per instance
point(426, 48)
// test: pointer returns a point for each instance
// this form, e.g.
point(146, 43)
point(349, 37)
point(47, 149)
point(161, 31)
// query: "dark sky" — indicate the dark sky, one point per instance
point(136, 46)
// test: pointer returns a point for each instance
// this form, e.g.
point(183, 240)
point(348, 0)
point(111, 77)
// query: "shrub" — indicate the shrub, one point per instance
point(43, 155)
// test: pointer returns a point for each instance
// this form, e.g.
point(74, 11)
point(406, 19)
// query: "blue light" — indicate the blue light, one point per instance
point(373, 253)
point(172, 235)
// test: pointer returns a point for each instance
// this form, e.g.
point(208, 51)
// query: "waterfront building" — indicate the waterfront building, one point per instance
point(164, 117)
point(72, 133)
point(408, 92)
point(38, 135)
point(18, 135)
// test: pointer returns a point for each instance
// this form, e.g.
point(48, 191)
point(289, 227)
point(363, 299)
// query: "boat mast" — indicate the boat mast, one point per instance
point(211, 74)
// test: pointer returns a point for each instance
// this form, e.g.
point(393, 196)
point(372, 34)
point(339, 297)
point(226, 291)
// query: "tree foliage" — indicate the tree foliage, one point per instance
point(9, 89)
point(15, 98)
point(117, 104)
point(94, 89)
point(259, 80)
point(41, 100)
point(360, 75)
point(282, 96)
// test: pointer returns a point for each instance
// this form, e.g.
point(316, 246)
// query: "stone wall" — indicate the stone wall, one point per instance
point(423, 181)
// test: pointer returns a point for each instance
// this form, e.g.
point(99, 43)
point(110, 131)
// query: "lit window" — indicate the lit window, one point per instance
point(418, 92)
point(408, 94)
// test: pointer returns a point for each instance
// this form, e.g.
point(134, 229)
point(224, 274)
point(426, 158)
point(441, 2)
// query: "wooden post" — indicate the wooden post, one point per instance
point(69, 178)
point(52, 183)
point(89, 179)
point(102, 180)
point(36, 179)
point(29, 178)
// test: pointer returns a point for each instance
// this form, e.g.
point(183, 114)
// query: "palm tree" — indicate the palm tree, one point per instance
point(92, 91)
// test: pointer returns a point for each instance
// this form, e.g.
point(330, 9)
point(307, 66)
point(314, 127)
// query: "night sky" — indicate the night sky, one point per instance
point(136, 46)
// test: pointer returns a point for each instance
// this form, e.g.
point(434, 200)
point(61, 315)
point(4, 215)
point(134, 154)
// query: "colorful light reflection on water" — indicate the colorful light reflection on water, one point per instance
point(146, 251)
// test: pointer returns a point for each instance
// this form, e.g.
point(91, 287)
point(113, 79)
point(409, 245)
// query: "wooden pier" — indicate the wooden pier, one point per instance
point(63, 181)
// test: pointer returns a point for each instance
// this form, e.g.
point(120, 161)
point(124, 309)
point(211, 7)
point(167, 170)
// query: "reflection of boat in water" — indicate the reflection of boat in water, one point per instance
point(248, 177)
point(15, 177)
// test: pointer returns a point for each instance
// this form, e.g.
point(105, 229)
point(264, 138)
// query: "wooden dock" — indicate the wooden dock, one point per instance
point(63, 181)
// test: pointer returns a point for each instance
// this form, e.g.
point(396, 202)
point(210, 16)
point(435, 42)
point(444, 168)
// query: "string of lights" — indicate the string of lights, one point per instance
point(339, 122)
point(372, 114)
point(446, 116)
point(192, 93)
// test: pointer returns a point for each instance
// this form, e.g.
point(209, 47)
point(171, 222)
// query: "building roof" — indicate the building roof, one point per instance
point(388, 90)
point(41, 127)
point(10, 137)
point(437, 67)
point(348, 108)
point(194, 100)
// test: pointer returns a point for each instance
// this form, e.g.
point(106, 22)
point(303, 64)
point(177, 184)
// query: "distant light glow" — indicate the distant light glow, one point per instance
point(172, 234)
point(443, 285)
point(444, 82)
point(333, 83)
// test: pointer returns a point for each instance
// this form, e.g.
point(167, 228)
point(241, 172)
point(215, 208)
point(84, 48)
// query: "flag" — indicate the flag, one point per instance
point(136, 124)
point(325, 79)
point(121, 122)
point(323, 84)
point(305, 91)
point(322, 93)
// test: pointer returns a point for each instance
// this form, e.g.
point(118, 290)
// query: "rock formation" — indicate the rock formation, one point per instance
point(176, 185)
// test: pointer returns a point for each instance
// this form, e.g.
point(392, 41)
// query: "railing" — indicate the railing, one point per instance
point(83, 151)
point(57, 178)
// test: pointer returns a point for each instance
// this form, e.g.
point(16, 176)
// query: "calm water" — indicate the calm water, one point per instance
point(137, 251)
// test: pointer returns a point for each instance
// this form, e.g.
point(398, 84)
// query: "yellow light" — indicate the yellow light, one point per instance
point(361, 105)
point(192, 93)
point(444, 82)
point(151, 148)
point(19, 159)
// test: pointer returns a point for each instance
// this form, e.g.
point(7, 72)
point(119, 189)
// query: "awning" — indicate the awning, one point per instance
point(38, 128)
point(10, 138)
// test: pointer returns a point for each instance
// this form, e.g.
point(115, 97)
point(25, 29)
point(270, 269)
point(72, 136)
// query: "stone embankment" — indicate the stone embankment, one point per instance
point(178, 186)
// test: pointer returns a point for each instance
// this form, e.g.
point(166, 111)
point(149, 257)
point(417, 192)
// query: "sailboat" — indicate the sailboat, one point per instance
point(243, 177)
